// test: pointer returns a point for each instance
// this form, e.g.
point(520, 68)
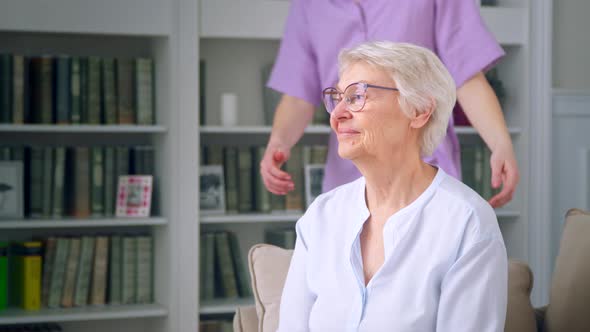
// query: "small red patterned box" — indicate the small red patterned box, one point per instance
point(134, 196)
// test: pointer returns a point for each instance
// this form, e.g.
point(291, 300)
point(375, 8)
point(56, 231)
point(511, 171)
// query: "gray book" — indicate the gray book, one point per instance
point(207, 273)
point(225, 265)
point(115, 267)
point(18, 89)
point(294, 166)
point(230, 170)
point(144, 267)
point(109, 96)
point(58, 272)
point(242, 278)
point(59, 170)
point(84, 271)
point(129, 271)
point(75, 91)
point(125, 104)
point(97, 182)
point(48, 259)
point(36, 182)
point(244, 179)
point(5, 88)
point(47, 182)
point(110, 185)
point(62, 89)
point(67, 298)
point(261, 194)
point(98, 286)
point(93, 92)
point(144, 91)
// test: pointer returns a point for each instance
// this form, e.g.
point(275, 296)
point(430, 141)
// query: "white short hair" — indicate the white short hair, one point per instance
point(421, 78)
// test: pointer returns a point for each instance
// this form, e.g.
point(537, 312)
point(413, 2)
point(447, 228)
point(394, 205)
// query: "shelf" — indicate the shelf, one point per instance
point(464, 130)
point(80, 129)
point(223, 306)
point(80, 223)
point(251, 218)
point(19, 316)
point(507, 24)
point(293, 217)
point(120, 17)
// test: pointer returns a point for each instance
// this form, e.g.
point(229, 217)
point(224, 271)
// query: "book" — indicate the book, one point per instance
point(75, 91)
point(110, 186)
point(69, 287)
point(84, 272)
point(294, 166)
point(62, 89)
point(262, 197)
point(42, 89)
point(244, 179)
point(27, 275)
point(98, 283)
point(144, 267)
point(47, 182)
point(125, 105)
point(129, 270)
point(115, 267)
point(19, 93)
point(58, 192)
point(3, 275)
point(202, 87)
point(225, 266)
point(79, 190)
point(58, 272)
point(35, 182)
point(108, 91)
point(207, 272)
point(243, 281)
point(144, 91)
point(93, 108)
point(5, 88)
point(230, 170)
point(97, 182)
point(48, 259)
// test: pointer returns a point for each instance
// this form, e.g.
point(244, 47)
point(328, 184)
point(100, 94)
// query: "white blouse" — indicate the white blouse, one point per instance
point(445, 266)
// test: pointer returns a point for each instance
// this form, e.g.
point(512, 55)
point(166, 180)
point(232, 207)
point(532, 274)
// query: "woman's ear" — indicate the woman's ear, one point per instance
point(421, 119)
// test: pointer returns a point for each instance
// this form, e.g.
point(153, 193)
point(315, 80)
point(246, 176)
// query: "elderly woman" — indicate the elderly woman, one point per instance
point(406, 247)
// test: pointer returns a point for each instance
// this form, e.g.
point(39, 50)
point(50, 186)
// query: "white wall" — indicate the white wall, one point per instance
point(571, 44)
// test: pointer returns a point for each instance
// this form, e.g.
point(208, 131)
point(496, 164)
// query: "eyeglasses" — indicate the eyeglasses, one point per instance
point(355, 96)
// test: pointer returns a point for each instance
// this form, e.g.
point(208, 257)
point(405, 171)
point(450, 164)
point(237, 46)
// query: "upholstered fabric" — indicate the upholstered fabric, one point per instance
point(569, 299)
point(268, 270)
point(520, 315)
point(246, 319)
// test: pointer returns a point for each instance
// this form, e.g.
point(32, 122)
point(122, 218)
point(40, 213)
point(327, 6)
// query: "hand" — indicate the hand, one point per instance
point(276, 181)
point(504, 172)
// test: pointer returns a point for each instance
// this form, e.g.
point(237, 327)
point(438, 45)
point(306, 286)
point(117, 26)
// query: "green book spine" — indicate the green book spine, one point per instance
point(202, 89)
point(58, 272)
point(59, 182)
point(75, 91)
point(94, 111)
point(48, 259)
point(36, 183)
point(125, 104)
point(84, 271)
point(144, 268)
point(62, 90)
point(121, 162)
point(115, 267)
point(5, 88)
point(129, 270)
point(144, 91)
point(239, 266)
point(3, 275)
point(18, 89)
point(225, 265)
point(109, 181)
point(294, 166)
point(231, 178)
point(67, 298)
point(80, 191)
point(42, 86)
point(262, 195)
point(97, 182)
point(84, 113)
point(244, 179)
point(99, 271)
point(47, 184)
point(209, 267)
point(109, 97)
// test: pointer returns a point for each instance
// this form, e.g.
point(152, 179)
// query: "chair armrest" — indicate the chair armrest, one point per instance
point(540, 318)
point(246, 319)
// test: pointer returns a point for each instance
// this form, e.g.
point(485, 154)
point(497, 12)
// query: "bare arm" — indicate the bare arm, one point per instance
point(483, 110)
point(291, 118)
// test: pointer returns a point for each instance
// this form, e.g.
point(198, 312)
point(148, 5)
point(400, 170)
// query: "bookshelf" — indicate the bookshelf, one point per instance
point(236, 48)
point(163, 31)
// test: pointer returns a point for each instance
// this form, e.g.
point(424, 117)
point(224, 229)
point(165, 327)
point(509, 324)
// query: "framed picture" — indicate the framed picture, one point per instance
point(314, 176)
point(11, 190)
point(134, 196)
point(212, 189)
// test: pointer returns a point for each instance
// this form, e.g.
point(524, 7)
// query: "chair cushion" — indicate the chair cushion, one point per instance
point(268, 270)
point(520, 315)
point(570, 286)
point(246, 319)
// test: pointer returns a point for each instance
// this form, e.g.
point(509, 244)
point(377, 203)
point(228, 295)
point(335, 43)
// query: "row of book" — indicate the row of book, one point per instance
point(45, 327)
point(244, 189)
point(68, 89)
point(76, 181)
point(476, 170)
point(76, 271)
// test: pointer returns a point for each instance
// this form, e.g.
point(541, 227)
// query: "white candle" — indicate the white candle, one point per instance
point(229, 109)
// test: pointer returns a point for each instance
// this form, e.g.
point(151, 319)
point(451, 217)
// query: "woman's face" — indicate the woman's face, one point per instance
point(380, 128)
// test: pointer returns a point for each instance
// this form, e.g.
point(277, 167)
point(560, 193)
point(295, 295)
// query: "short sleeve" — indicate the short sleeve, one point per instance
point(463, 42)
point(295, 70)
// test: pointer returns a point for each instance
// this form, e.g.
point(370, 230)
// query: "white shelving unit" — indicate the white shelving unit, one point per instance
point(165, 31)
point(236, 47)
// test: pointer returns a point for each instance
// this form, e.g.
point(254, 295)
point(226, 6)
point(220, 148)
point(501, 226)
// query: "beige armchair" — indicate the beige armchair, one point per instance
point(569, 300)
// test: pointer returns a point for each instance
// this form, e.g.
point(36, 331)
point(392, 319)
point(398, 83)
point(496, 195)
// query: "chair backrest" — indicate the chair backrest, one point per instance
point(569, 299)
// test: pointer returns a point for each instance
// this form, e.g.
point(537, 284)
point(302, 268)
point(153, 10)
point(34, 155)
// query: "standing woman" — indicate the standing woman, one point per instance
point(315, 32)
